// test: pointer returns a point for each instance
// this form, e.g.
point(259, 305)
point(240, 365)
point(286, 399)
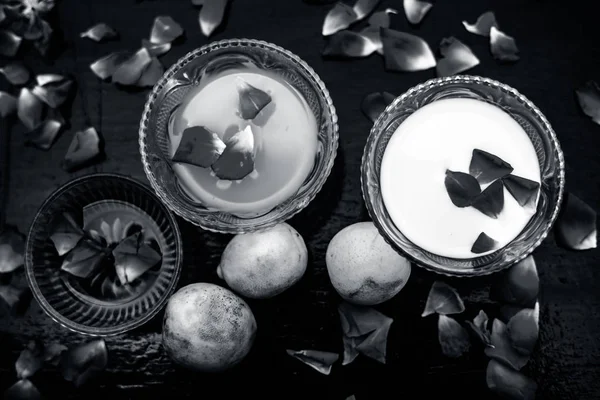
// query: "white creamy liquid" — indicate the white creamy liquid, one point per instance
point(441, 136)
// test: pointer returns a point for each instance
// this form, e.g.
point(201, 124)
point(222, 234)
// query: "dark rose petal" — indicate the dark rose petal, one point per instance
point(483, 25)
point(502, 349)
point(373, 104)
point(486, 167)
point(381, 19)
point(360, 321)
point(252, 100)
point(43, 43)
point(374, 345)
point(237, 159)
point(9, 43)
point(131, 70)
point(66, 233)
point(30, 360)
point(519, 285)
point(133, 258)
point(575, 227)
point(588, 96)
point(322, 361)
point(507, 311)
point(349, 44)
point(44, 135)
point(12, 249)
point(53, 353)
point(350, 347)
point(491, 201)
point(480, 327)
point(405, 52)
point(10, 297)
point(29, 109)
point(340, 17)
point(152, 74)
point(106, 66)
point(22, 390)
point(8, 104)
point(211, 15)
point(16, 73)
point(54, 94)
point(362, 8)
point(199, 147)
point(82, 362)
point(155, 49)
point(372, 34)
point(83, 260)
point(47, 79)
point(462, 188)
point(523, 190)
point(100, 32)
point(509, 383)
point(523, 330)
point(443, 299)
point(457, 57)
point(165, 30)
point(415, 10)
point(483, 244)
point(453, 337)
point(84, 148)
point(503, 47)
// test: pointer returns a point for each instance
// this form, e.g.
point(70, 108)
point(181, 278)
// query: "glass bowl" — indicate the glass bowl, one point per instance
point(99, 198)
point(184, 76)
point(538, 129)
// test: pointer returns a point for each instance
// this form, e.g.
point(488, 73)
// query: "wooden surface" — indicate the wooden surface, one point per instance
point(559, 51)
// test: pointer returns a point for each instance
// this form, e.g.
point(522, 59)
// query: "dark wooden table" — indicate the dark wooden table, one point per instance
point(559, 51)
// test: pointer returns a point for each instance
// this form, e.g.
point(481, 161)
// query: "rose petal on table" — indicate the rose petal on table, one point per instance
point(53, 353)
point(106, 66)
point(84, 260)
point(199, 146)
point(22, 390)
point(443, 299)
point(415, 10)
point(523, 190)
point(133, 258)
point(507, 311)
point(374, 345)
point(42, 44)
point(100, 32)
point(503, 47)
point(30, 360)
point(453, 337)
point(340, 17)
point(12, 249)
point(519, 285)
point(46, 79)
point(155, 49)
point(483, 244)
point(237, 160)
point(362, 8)
point(152, 74)
point(321, 361)
point(487, 167)
point(82, 362)
point(251, 99)
point(131, 70)
point(479, 325)
point(349, 44)
point(491, 201)
point(66, 232)
point(54, 94)
point(44, 135)
point(8, 104)
point(381, 19)
point(523, 329)
point(211, 15)
point(503, 349)
point(84, 148)
point(29, 109)
point(165, 30)
point(405, 52)
point(372, 33)
point(588, 96)
point(16, 73)
point(575, 227)
point(360, 320)
point(9, 43)
point(509, 383)
point(350, 347)
point(457, 57)
point(483, 25)
point(462, 188)
point(10, 297)
point(373, 104)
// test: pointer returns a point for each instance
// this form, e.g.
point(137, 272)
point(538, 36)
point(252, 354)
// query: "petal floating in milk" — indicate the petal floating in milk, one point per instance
point(503, 47)
point(487, 167)
point(405, 52)
point(523, 190)
point(251, 99)
point(457, 57)
point(349, 44)
point(237, 159)
point(416, 10)
point(483, 25)
point(483, 244)
point(199, 146)
point(462, 188)
point(491, 201)
point(100, 32)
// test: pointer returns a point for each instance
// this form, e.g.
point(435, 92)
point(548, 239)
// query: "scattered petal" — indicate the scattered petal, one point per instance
point(523, 190)
point(507, 311)
point(480, 327)
point(199, 147)
point(29, 109)
point(100, 32)
point(46, 79)
point(457, 57)
point(374, 345)
point(415, 10)
point(252, 100)
point(44, 135)
point(405, 52)
point(491, 201)
point(443, 299)
point(54, 94)
point(43, 43)
point(340, 17)
point(165, 30)
point(503, 47)
point(362, 8)
point(84, 148)
point(373, 104)
point(588, 96)
point(509, 383)
point(483, 244)
point(106, 66)
point(83, 260)
point(16, 73)
point(80, 363)
point(12, 249)
point(131, 70)
point(237, 159)
point(22, 390)
point(152, 74)
point(53, 353)
point(519, 285)
point(575, 227)
point(66, 233)
point(11, 296)
point(453, 337)
point(523, 330)
point(349, 44)
point(30, 360)
point(133, 258)
point(9, 43)
point(487, 167)
point(8, 104)
point(322, 361)
point(502, 349)
point(381, 19)
point(155, 49)
point(350, 347)
point(483, 25)
point(462, 188)
point(211, 15)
